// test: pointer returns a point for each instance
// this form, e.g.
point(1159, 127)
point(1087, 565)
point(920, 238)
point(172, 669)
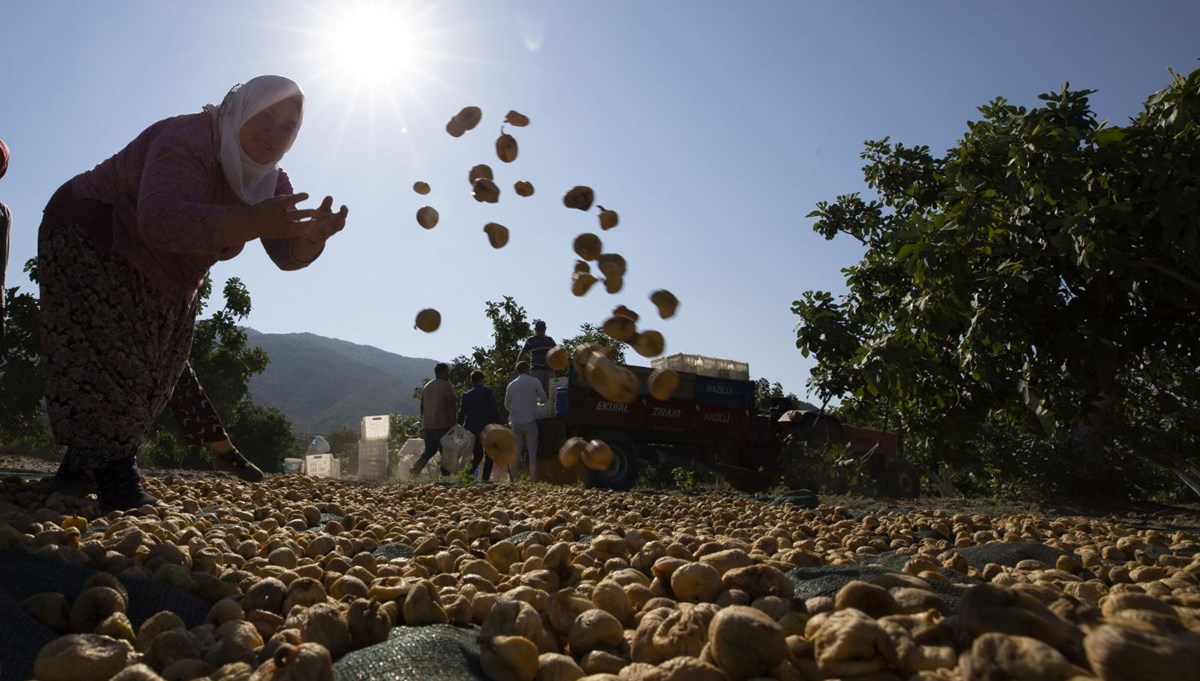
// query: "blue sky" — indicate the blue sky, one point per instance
point(713, 128)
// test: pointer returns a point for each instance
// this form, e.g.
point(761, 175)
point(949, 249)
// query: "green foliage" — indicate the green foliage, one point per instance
point(765, 391)
point(22, 418)
point(263, 435)
point(1022, 281)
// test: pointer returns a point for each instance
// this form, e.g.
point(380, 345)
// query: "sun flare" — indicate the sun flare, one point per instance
point(376, 45)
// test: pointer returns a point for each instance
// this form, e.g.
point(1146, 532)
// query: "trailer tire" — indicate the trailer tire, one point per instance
point(902, 480)
point(622, 472)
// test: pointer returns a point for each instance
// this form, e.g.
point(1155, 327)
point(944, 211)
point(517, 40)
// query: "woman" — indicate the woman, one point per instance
point(122, 251)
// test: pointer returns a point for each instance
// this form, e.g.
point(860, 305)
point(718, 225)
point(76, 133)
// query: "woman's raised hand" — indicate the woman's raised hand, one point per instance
point(278, 217)
point(326, 222)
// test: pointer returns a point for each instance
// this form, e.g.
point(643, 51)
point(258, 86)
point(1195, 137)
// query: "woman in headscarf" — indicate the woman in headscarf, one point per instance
point(123, 249)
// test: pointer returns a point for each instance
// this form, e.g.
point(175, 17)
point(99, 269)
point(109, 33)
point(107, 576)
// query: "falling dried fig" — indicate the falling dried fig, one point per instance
point(421, 188)
point(620, 328)
point(428, 320)
point(649, 343)
point(597, 455)
point(622, 311)
point(556, 358)
point(516, 119)
point(506, 147)
point(500, 444)
point(469, 117)
point(666, 302)
point(611, 264)
point(570, 454)
point(608, 218)
point(485, 191)
point(579, 197)
point(587, 246)
point(662, 382)
point(427, 217)
point(481, 170)
point(497, 234)
point(613, 284)
point(454, 128)
point(523, 188)
point(581, 282)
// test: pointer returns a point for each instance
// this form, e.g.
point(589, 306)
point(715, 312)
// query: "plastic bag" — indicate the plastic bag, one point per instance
point(457, 445)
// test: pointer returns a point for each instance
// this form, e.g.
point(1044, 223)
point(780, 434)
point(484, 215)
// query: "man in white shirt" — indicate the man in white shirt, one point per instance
point(521, 399)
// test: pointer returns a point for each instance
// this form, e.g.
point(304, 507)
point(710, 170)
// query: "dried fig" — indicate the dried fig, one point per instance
point(421, 188)
point(608, 218)
point(587, 246)
point(649, 343)
point(666, 302)
point(516, 119)
point(556, 358)
point(506, 147)
point(662, 383)
point(480, 171)
point(469, 117)
point(581, 282)
point(500, 444)
point(523, 188)
point(620, 328)
point(485, 191)
point(427, 217)
point(428, 320)
point(597, 455)
point(508, 658)
point(497, 234)
point(570, 454)
point(579, 198)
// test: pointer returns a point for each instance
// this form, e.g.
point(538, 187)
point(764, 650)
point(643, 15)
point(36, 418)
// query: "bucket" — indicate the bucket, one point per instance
point(560, 401)
point(293, 466)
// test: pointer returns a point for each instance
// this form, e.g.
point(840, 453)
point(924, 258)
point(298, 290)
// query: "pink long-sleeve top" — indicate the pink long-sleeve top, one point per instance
point(169, 199)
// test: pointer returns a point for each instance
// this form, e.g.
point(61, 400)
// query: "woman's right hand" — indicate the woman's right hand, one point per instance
point(273, 218)
point(278, 217)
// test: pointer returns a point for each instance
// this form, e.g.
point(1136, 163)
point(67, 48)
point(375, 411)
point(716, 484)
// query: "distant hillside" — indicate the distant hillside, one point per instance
point(323, 384)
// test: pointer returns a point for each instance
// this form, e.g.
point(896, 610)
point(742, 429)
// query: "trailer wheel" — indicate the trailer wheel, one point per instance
point(902, 480)
point(622, 473)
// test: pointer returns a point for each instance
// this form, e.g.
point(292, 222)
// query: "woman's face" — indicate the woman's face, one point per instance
point(266, 135)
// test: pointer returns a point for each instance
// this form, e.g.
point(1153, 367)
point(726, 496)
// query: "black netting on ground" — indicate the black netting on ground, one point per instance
point(440, 652)
point(828, 580)
point(395, 549)
point(24, 574)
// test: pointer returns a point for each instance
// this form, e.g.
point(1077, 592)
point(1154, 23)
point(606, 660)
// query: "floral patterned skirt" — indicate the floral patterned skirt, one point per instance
point(114, 349)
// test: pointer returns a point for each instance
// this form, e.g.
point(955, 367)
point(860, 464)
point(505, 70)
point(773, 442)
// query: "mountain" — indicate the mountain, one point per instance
point(323, 384)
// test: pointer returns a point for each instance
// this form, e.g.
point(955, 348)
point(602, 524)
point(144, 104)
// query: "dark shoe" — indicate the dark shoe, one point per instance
point(71, 479)
point(445, 473)
point(119, 486)
point(415, 471)
point(233, 462)
point(70, 485)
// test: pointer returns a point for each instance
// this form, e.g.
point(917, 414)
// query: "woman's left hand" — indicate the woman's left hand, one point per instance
point(326, 223)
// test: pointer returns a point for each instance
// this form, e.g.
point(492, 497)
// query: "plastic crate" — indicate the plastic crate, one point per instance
point(376, 427)
point(372, 459)
point(323, 466)
point(703, 365)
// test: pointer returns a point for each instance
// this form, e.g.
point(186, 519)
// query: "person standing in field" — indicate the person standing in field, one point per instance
point(5, 229)
point(122, 251)
point(521, 399)
point(437, 415)
point(536, 347)
point(477, 410)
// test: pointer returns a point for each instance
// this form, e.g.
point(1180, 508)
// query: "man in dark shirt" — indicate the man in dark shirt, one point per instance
point(476, 410)
point(536, 347)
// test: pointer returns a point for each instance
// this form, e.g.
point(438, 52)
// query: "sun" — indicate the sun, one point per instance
point(376, 45)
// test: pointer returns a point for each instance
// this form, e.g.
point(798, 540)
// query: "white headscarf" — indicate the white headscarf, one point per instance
point(250, 180)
